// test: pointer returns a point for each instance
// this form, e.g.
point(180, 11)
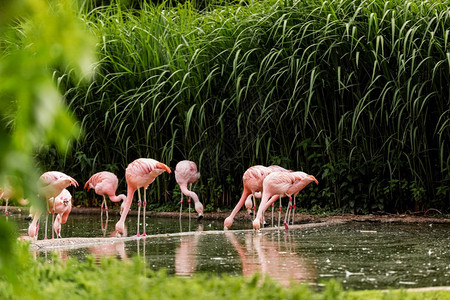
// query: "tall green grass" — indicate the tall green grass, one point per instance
point(355, 92)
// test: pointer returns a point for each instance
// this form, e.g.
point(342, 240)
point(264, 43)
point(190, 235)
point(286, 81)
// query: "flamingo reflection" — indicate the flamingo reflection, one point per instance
point(116, 249)
point(186, 254)
point(261, 254)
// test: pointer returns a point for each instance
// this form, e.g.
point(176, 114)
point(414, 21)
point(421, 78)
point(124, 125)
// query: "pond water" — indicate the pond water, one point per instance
point(360, 255)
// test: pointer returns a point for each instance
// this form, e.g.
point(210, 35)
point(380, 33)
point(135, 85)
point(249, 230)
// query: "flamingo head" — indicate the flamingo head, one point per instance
point(256, 224)
point(313, 179)
point(199, 208)
point(228, 222)
point(119, 228)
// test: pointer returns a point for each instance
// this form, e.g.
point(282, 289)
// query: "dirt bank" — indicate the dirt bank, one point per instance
point(242, 216)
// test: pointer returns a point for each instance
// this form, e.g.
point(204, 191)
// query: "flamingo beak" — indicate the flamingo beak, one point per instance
point(163, 167)
point(314, 179)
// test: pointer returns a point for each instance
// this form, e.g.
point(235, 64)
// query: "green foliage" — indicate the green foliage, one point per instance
point(354, 92)
point(54, 278)
point(36, 36)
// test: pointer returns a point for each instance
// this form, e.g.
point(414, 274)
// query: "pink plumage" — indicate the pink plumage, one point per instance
point(186, 173)
point(140, 173)
point(253, 182)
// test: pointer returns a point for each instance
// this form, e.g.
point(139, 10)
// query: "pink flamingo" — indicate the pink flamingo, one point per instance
point(63, 207)
point(105, 184)
point(294, 190)
point(253, 182)
point(186, 173)
point(140, 173)
point(51, 184)
point(276, 185)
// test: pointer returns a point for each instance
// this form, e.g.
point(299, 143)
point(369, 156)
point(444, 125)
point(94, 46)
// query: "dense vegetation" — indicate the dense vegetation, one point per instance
point(354, 92)
point(55, 278)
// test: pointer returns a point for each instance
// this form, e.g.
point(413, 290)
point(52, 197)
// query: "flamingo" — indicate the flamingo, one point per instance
point(63, 207)
point(140, 173)
point(186, 172)
point(294, 190)
point(253, 182)
point(277, 185)
point(274, 185)
point(51, 184)
point(105, 183)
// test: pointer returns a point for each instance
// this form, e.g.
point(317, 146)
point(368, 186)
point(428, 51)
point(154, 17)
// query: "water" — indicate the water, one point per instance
point(360, 255)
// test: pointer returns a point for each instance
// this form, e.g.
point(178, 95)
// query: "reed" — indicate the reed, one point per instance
point(352, 91)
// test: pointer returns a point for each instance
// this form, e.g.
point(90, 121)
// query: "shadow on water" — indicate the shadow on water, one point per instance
point(360, 255)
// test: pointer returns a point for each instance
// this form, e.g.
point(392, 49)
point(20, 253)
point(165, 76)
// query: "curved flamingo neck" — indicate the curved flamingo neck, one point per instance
point(126, 208)
point(117, 198)
point(238, 206)
point(189, 193)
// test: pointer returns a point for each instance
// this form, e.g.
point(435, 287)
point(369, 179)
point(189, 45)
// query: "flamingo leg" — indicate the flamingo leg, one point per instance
point(273, 204)
point(46, 220)
point(279, 213)
point(189, 201)
point(139, 211)
point(181, 206)
point(53, 217)
point(106, 205)
point(289, 214)
point(6, 208)
point(254, 206)
point(145, 205)
point(288, 210)
point(101, 223)
point(293, 211)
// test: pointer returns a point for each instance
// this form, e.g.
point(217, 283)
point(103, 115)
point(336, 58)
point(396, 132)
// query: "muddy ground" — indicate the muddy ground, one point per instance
point(299, 217)
point(431, 216)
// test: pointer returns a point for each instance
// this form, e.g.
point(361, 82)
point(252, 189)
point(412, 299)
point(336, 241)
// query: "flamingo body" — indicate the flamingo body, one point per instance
point(105, 184)
point(51, 184)
point(140, 173)
point(279, 184)
point(63, 207)
point(186, 173)
point(253, 182)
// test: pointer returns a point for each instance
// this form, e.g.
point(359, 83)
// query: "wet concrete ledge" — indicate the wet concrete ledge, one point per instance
point(82, 242)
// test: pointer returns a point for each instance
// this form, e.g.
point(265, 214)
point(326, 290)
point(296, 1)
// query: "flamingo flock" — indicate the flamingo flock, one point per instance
point(267, 183)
